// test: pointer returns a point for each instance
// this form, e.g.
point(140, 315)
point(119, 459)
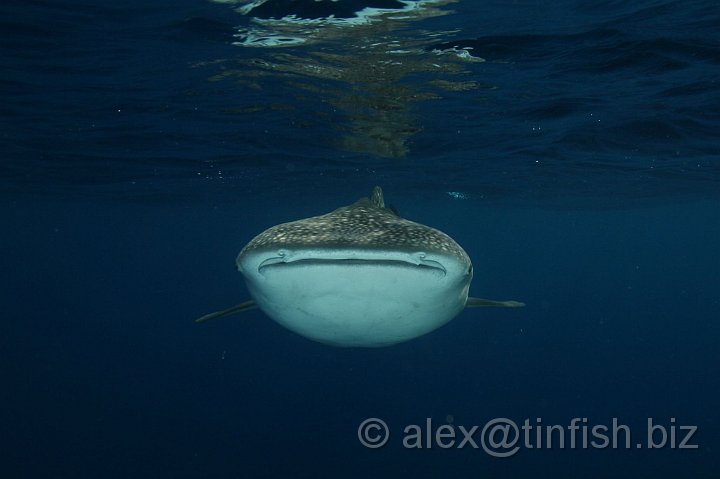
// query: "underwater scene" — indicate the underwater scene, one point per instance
point(360, 238)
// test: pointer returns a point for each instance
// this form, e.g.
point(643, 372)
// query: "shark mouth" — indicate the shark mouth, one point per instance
point(350, 258)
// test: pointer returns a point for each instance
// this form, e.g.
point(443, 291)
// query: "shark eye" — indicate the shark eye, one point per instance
point(470, 270)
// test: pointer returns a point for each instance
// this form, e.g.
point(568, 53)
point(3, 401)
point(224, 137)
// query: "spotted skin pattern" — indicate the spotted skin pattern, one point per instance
point(366, 224)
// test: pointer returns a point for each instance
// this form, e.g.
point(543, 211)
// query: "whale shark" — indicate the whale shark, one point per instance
point(359, 276)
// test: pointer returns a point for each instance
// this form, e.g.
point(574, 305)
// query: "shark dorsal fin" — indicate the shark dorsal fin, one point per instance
point(377, 198)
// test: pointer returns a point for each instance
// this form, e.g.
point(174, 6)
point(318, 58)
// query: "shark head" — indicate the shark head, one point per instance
point(358, 276)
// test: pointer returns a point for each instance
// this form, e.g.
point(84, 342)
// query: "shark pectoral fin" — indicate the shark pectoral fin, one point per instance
point(238, 308)
point(479, 302)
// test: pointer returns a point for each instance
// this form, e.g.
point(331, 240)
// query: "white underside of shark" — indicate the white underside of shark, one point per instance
point(354, 297)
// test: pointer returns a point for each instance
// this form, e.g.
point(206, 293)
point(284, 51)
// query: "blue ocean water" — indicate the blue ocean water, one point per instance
point(571, 148)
